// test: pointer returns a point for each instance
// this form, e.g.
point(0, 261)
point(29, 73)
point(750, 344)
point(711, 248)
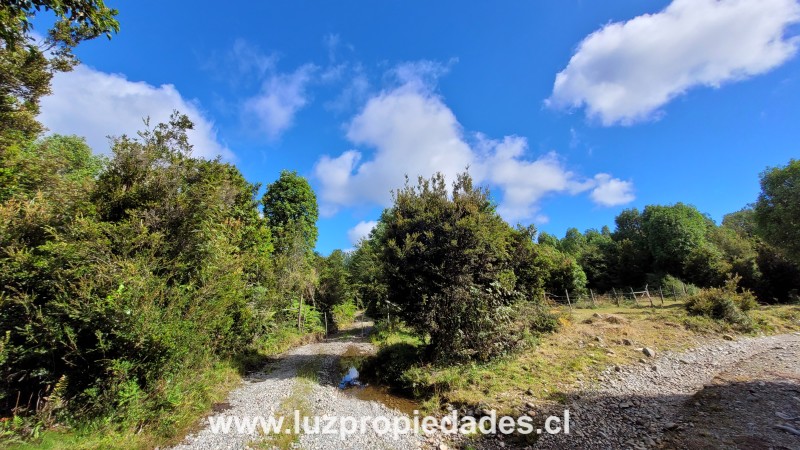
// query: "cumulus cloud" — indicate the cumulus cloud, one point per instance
point(360, 231)
point(413, 132)
point(95, 104)
point(610, 191)
point(282, 96)
point(624, 72)
point(524, 182)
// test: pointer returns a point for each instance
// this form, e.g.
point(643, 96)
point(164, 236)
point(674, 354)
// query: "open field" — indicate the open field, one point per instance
point(589, 341)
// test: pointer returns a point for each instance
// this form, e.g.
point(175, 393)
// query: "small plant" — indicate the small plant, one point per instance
point(726, 303)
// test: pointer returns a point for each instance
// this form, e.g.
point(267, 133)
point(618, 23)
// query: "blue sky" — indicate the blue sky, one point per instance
point(570, 111)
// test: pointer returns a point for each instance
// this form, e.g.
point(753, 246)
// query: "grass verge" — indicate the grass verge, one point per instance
point(189, 397)
point(589, 341)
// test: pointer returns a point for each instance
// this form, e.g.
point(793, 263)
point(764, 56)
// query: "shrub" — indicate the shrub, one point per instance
point(671, 284)
point(726, 304)
point(390, 364)
point(448, 261)
point(344, 313)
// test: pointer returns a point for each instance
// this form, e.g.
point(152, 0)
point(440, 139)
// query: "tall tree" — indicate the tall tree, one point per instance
point(290, 207)
point(673, 233)
point(448, 266)
point(777, 211)
point(334, 286)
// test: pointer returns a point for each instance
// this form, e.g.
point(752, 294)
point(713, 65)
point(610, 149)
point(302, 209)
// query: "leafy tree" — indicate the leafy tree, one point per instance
point(527, 259)
point(84, 18)
point(548, 239)
point(563, 273)
point(366, 272)
point(777, 211)
point(447, 265)
point(673, 233)
point(290, 207)
point(118, 285)
point(764, 270)
point(629, 226)
point(27, 67)
point(596, 259)
point(334, 286)
point(742, 222)
point(574, 243)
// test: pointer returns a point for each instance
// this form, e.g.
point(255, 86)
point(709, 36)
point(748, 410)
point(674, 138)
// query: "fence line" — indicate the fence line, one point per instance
point(647, 295)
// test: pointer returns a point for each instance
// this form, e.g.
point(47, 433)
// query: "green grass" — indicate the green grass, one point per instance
point(192, 397)
point(584, 346)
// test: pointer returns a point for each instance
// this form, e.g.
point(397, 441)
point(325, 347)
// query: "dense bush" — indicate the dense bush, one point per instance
point(449, 263)
point(671, 285)
point(344, 313)
point(119, 278)
point(727, 304)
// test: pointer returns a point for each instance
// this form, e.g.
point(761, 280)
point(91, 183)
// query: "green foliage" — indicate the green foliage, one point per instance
point(447, 262)
point(366, 273)
point(87, 19)
point(334, 287)
point(563, 273)
point(344, 313)
point(310, 319)
point(121, 279)
point(727, 304)
point(671, 285)
point(673, 233)
point(27, 67)
point(529, 264)
point(290, 207)
point(777, 211)
point(390, 366)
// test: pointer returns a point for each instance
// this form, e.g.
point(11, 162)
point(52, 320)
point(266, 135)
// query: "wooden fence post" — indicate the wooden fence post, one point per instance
point(616, 299)
point(592, 294)
point(647, 291)
point(634, 297)
point(326, 324)
point(661, 294)
point(568, 302)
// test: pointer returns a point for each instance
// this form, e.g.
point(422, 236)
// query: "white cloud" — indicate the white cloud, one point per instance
point(281, 97)
point(413, 132)
point(524, 182)
point(626, 71)
point(95, 104)
point(360, 231)
point(610, 191)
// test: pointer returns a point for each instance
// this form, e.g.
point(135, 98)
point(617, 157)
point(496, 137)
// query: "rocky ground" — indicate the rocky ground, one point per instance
point(725, 394)
point(742, 394)
point(270, 391)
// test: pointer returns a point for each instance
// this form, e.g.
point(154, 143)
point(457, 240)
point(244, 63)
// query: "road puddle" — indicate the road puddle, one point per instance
point(350, 364)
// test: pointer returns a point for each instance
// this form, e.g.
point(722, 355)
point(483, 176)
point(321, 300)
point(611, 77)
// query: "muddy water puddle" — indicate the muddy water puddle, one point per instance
point(350, 363)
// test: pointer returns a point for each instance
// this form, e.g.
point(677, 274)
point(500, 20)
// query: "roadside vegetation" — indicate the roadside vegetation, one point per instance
point(138, 287)
point(589, 341)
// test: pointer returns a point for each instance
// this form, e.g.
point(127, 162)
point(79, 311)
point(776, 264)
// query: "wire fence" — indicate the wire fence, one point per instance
point(646, 296)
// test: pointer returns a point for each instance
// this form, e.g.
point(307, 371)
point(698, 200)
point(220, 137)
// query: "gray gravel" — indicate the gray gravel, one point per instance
point(262, 393)
point(633, 406)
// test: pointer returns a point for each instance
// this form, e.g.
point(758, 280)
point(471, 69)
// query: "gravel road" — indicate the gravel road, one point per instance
point(265, 393)
point(726, 394)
